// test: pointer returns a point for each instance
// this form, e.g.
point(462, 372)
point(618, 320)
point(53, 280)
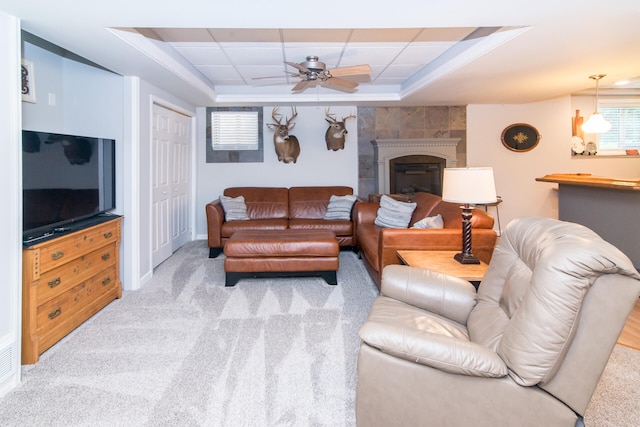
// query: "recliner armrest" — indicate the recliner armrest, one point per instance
point(445, 295)
point(441, 352)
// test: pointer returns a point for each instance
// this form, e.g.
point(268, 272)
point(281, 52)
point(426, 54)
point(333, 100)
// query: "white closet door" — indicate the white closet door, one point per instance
point(180, 185)
point(170, 182)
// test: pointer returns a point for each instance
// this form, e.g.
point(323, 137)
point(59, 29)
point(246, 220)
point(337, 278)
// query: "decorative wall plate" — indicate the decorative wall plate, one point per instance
point(520, 137)
point(577, 145)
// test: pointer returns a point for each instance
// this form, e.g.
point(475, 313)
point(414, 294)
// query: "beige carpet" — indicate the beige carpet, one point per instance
point(186, 351)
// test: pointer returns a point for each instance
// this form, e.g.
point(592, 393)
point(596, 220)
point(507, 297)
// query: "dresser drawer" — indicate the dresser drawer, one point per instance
point(64, 307)
point(63, 278)
point(66, 248)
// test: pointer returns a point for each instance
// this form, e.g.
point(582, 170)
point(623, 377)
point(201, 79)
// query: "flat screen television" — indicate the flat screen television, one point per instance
point(65, 178)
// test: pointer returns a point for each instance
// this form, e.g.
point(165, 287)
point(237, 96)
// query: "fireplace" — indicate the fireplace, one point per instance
point(411, 174)
point(406, 166)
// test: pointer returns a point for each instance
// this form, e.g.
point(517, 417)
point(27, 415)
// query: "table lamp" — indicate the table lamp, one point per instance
point(468, 186)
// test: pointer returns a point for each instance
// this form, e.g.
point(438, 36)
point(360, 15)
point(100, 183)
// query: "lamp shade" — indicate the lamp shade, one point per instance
point(468, 185)
point(596, 124)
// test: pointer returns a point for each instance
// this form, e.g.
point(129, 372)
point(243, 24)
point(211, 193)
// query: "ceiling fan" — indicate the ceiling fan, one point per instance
point(312, 72)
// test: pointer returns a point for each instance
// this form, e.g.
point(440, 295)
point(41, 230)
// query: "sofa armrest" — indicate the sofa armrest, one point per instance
point(365, 212)
point(215, 218)
point(445, 295)
point(483, 241)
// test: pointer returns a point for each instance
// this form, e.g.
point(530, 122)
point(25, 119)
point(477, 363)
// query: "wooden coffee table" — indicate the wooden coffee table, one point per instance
point(443, 262)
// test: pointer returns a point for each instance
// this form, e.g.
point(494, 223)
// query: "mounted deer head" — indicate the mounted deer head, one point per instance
point(337, 131)
point(287, 146)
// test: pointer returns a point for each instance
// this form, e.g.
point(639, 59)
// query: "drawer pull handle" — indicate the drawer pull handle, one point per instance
point(55, 313)
point(107, 234)
point(55, 282)
point(106, 256)
point(57, 255)
point(106, 281)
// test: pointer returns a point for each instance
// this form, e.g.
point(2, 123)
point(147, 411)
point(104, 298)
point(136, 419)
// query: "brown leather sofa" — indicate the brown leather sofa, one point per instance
point(278, 208)
point(378, 246)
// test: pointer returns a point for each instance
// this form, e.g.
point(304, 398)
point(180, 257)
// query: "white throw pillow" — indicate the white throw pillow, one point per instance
point(234, 208)
point(340, 207)
point(430, 222)
point(394, 214)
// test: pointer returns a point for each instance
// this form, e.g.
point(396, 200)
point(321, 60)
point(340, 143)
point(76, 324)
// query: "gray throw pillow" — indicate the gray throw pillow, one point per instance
point(394, 214)
point(340, 207)
point(234, 208)
point(430, 222)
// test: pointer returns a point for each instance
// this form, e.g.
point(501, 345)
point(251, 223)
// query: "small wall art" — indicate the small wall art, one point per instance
point(520, 137)
point(28, 82)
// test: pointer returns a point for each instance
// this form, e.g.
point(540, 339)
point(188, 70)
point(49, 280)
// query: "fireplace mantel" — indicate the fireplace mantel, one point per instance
point(388, 149)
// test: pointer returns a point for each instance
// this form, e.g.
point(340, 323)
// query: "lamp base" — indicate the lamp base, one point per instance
point(466, 258)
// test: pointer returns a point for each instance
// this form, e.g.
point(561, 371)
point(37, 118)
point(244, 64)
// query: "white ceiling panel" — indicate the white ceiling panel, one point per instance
point(246, 55)
point(203, 54)
point(216, 72)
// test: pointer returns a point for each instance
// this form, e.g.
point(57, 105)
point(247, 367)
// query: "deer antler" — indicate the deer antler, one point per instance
point(330, 117)
point(275, 115)
point(350, 116)
point(294, 112)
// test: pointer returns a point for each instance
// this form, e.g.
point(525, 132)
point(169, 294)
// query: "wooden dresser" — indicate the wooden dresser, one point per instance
point(65, 281)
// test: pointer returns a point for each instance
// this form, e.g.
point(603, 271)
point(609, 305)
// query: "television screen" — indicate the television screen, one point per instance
point(65, 178)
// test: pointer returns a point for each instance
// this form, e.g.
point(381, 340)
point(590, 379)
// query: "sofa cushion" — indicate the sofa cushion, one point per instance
point(430, 222)
point(234, 208)
point(263, 202)
point(230, 227)
point(425, 202)
point(340, 207)
point(394, 214)
point(312, 202)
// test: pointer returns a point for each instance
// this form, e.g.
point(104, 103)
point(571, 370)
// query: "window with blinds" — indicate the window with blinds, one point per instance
point(234, 130)
point(625, 126)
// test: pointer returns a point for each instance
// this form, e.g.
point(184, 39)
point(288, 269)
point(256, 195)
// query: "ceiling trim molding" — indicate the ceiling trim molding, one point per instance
point(164, 56)
point(458, 56)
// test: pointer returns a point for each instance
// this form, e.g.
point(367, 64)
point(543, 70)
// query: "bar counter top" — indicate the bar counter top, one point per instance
point(587, 180)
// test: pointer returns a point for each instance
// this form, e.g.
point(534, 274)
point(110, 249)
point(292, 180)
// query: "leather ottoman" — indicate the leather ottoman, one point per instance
point(281, 253)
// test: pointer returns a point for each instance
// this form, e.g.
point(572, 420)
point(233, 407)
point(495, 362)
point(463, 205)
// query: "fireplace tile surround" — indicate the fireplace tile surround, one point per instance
point(439, 124)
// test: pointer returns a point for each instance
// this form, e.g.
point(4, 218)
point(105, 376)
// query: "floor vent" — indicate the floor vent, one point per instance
point(6, 363)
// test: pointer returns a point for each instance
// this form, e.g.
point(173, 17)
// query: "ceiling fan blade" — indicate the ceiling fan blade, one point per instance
point(351, 70)
point(298, 67)
point(302, 85)
point(360, 78)
point(342, 83)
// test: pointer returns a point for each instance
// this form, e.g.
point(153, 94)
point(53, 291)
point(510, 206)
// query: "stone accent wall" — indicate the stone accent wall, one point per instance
point(405, 122)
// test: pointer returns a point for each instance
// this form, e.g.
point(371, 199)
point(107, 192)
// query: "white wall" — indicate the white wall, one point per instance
point(315, 166)
point(72, 97)
point(515, 172)
point(11, 196)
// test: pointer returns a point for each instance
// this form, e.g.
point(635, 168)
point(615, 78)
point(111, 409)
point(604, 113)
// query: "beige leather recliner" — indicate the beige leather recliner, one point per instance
point(528, 349)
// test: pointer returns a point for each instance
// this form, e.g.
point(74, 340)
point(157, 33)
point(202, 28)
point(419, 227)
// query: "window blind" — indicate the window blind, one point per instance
point(234, 130)
point(625, 127)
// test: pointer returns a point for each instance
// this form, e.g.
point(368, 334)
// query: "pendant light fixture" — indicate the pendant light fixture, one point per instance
point(596, 123)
